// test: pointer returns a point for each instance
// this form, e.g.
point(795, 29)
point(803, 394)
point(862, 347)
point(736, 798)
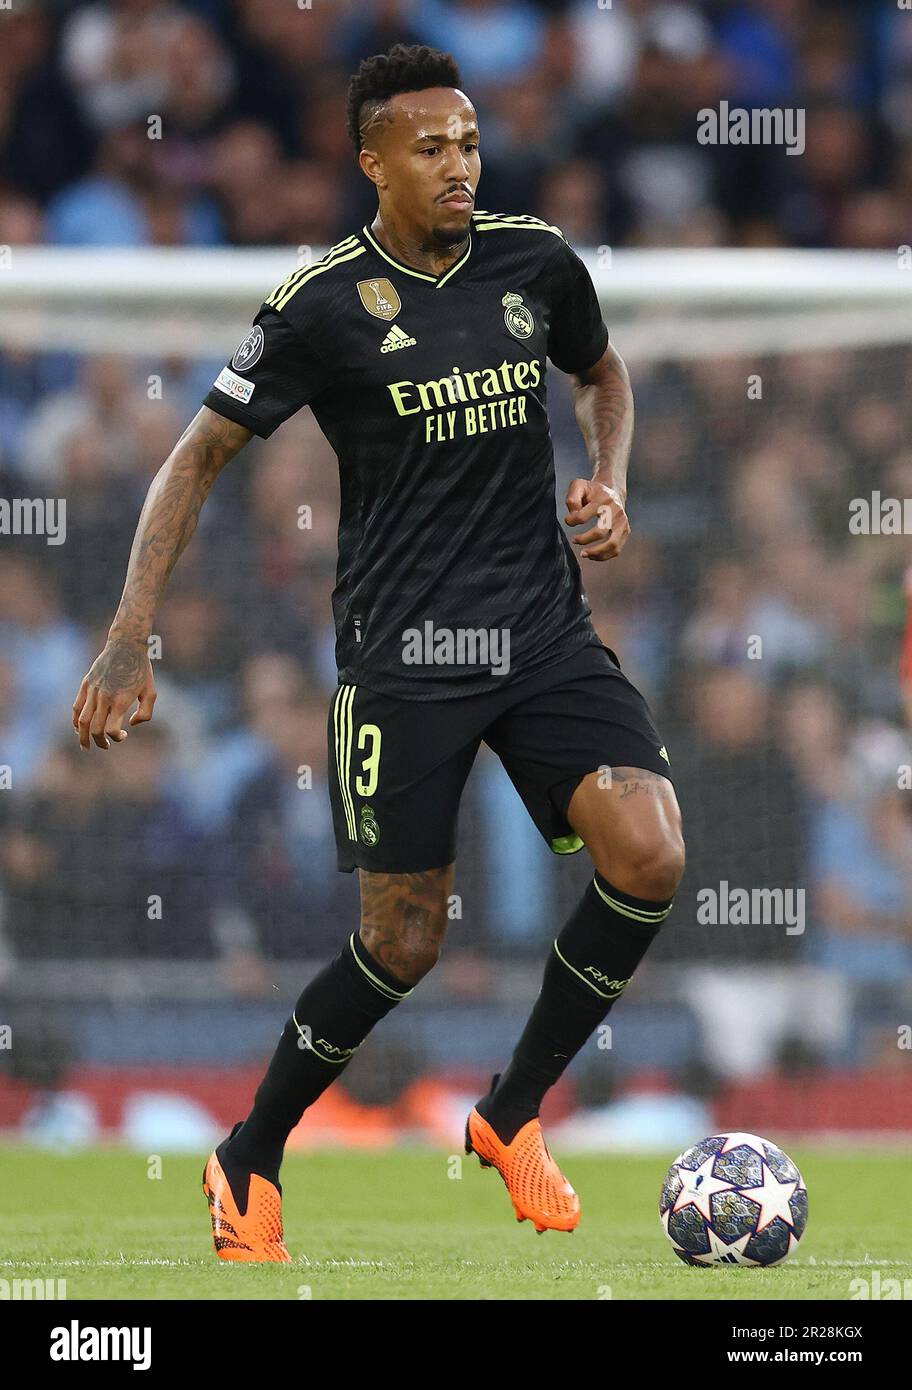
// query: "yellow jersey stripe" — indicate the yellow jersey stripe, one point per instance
point(303, 269)
point(406, 270)
point(318, 270)
point(525, 217)
point(453, 268)
point(419, 274)
point(336, 708)
point(535, 226)
point(347, 739)
point(280, 298)
point(342, 724)
point(345, 245)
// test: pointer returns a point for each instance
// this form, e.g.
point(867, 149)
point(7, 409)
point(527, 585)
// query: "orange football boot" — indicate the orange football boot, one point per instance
point(257, 1235)
point(537, 1187)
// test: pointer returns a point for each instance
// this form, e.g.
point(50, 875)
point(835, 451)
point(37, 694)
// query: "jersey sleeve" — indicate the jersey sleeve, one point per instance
point(273, 373)
point(577, 337)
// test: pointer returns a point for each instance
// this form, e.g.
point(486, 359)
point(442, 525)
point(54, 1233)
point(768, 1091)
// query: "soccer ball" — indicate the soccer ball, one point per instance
point(733, 1199)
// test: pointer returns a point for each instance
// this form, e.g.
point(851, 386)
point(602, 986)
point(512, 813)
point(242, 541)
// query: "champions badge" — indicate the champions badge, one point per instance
point(249, 351)
point(379, 298)
point(517, 317)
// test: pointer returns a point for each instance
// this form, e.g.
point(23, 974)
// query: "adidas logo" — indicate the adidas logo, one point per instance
point(396, 339)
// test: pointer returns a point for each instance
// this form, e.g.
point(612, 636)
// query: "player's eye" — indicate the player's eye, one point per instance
point(431, 149)
point(472, 147)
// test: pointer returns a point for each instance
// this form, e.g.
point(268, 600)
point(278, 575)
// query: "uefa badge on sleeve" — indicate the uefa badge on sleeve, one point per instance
point(249, 351)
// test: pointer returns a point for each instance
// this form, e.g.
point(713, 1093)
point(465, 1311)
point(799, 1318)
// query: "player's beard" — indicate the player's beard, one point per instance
point(450, 236)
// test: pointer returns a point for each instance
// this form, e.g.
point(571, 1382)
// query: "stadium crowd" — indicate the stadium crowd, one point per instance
point(161, 122)
point(207, 835)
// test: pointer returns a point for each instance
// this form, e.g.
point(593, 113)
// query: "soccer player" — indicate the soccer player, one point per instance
point(420, 343)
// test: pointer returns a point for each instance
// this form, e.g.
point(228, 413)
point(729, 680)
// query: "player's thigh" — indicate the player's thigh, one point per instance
point(404, 918)
point(574, 744)
point(630, 821)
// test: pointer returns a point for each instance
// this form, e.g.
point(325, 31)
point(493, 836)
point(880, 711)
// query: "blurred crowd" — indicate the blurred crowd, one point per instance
point(209, 122)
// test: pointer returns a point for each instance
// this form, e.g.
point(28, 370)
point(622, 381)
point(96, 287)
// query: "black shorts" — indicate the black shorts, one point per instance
point(397, 767)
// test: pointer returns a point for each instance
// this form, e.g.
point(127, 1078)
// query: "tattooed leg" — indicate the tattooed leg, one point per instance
point(631, 825)
point(404, 919)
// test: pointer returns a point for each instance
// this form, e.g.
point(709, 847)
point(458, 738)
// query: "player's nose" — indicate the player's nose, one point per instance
point(457, 169)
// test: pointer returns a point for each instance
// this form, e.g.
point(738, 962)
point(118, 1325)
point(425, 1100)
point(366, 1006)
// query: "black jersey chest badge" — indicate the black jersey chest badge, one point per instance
point(379, 298)
point(517, 317)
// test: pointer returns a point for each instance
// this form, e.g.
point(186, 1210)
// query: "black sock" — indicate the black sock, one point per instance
point(591, 964)
point(331, 1019)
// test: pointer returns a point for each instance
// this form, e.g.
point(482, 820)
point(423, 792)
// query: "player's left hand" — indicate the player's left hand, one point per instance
point(588, 498)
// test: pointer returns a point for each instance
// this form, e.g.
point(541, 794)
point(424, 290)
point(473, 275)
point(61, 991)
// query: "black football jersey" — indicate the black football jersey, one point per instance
point(454, 573)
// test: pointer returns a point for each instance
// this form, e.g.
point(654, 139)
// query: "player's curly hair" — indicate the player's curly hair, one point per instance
point(405, 68)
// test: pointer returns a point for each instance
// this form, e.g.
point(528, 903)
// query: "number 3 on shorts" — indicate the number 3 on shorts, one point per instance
point(366, 784)
point(346, 743)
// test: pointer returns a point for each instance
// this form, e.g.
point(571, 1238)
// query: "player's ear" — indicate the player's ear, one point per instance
point(372, 165)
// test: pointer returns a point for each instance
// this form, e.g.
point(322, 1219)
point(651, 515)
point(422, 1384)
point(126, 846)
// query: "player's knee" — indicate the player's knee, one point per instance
point(408, 948)
point(404, 920)
point(416, 958)
point(419, 958)
point(653, 870)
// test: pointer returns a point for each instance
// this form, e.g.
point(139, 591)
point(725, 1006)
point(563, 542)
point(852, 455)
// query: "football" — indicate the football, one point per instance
point(733, 1199)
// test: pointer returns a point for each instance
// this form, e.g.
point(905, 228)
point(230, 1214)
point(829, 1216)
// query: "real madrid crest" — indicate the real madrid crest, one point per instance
point(370, 828)
point(379, 298)
point(517, 317)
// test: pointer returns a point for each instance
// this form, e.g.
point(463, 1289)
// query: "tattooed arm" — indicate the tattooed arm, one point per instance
point(123, 672)
point(604, 412)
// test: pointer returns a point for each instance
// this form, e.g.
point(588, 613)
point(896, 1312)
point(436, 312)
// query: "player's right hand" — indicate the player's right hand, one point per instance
point(120, 675)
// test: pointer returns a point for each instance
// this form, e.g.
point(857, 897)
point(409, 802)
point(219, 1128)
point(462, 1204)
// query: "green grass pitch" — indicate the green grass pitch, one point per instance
point(418, 1224)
